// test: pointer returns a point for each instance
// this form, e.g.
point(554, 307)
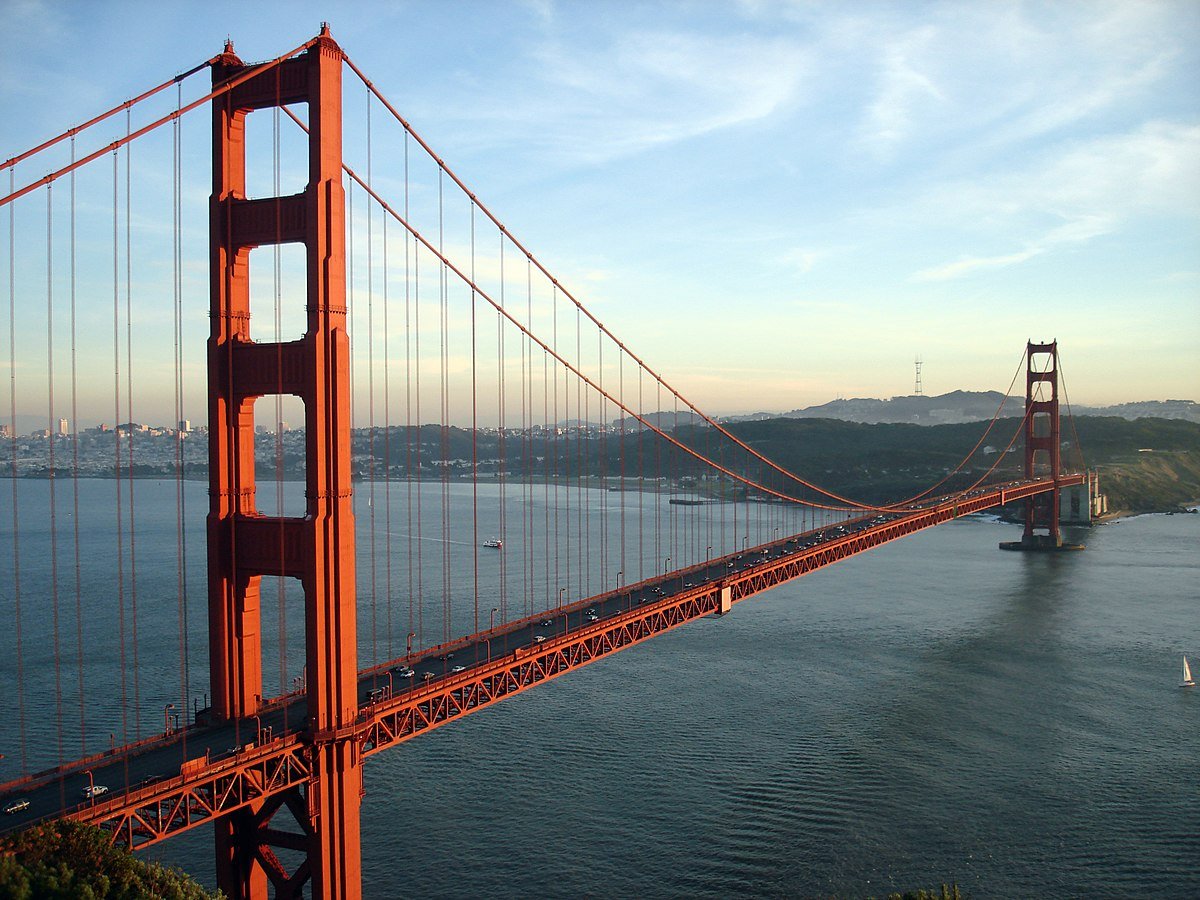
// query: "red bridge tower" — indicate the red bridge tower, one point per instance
point(1042, 450)
point(318, 548)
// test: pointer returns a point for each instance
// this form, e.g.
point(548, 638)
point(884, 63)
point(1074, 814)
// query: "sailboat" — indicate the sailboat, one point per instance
point(1187, 674)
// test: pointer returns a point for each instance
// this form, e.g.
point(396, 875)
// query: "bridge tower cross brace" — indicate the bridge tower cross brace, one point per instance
point(1042, 443)
point(317, 548)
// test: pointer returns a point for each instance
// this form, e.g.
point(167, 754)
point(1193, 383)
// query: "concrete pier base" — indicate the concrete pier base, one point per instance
point(1040, 543)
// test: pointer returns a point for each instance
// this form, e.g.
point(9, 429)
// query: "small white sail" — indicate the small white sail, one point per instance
point(1187, 674)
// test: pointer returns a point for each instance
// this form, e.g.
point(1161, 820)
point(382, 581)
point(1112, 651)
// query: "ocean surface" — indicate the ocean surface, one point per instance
point(931, 711)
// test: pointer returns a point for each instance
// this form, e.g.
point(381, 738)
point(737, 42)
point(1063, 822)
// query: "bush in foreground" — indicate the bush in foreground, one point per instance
point(69, 860)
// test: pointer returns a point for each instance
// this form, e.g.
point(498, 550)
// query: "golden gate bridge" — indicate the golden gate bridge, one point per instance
point(511, 442)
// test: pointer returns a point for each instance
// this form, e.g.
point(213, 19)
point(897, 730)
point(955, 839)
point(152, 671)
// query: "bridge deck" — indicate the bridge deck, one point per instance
point(178, 782)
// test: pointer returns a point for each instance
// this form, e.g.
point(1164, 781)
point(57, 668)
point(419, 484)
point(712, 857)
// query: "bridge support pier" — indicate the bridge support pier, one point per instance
point(317, 548)
point(1042, 451)
point(724, 599)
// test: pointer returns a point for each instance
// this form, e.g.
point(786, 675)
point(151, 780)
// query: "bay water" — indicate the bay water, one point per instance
point(931, 711)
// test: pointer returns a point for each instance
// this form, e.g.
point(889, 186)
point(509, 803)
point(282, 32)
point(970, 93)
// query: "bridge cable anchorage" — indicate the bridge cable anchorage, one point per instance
point(600, 326)
point(219, 91)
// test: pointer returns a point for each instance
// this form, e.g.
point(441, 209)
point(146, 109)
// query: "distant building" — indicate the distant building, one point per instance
point(62, 427)
point(185, 425)
point(6, 431)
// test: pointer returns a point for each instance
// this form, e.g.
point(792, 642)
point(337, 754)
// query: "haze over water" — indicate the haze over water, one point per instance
point(931, 711)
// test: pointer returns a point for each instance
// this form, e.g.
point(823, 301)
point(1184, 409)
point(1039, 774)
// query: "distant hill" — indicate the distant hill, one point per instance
point(957, 407)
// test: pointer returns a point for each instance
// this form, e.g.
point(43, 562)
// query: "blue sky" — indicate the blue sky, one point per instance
point(774, 203)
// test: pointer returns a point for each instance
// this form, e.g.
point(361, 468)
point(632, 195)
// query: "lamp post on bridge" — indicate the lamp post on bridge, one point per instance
point(561, 590)
point(91, 786)
point(666, 563)
point(411, 635)
point(167, 718)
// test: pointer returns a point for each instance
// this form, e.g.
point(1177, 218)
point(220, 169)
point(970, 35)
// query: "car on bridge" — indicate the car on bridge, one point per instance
point(16, 806)
point(95, 790)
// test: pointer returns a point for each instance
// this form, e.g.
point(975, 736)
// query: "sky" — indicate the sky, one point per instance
point(775, 203)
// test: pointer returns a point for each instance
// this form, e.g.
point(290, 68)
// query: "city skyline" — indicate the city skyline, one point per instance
point(775, 204)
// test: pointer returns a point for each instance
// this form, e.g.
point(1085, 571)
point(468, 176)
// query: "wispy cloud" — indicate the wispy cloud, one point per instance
point(602, 97)
point(903, 88)
point(1086, 191)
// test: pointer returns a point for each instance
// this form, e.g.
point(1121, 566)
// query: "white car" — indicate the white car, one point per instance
point(16, 806)
point(539, 638)
point(95, 790)
point(458, 669)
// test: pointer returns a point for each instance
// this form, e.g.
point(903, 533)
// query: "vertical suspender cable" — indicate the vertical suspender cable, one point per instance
point(16, 531)
point(387, 447)
point(52, 429)
point(117, 449)
point(526, 512)
point(602, 560)
point(371, 399)
point(580, 435)
point(549, 462)
point(474, 437)
point(408, 409)
point(558, 474)
point(641, 439)
point(177, 340)
point(419, 533)
point(277, 310)
point(133, 598)
point(75, 479)
point(443, 414)
point(500, 448)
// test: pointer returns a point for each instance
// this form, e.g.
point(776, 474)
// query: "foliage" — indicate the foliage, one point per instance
point(947, 892)
point(71, 861)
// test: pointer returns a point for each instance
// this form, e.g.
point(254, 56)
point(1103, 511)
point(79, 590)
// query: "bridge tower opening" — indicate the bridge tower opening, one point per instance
point(318, 547)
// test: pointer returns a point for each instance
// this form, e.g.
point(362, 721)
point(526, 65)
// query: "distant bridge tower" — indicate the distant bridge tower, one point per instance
point(917, 386)
point(1042, 450)
point(318, 548)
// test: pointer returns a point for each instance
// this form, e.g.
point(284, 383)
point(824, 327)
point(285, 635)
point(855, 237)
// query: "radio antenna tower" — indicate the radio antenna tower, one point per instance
point(917, 387)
